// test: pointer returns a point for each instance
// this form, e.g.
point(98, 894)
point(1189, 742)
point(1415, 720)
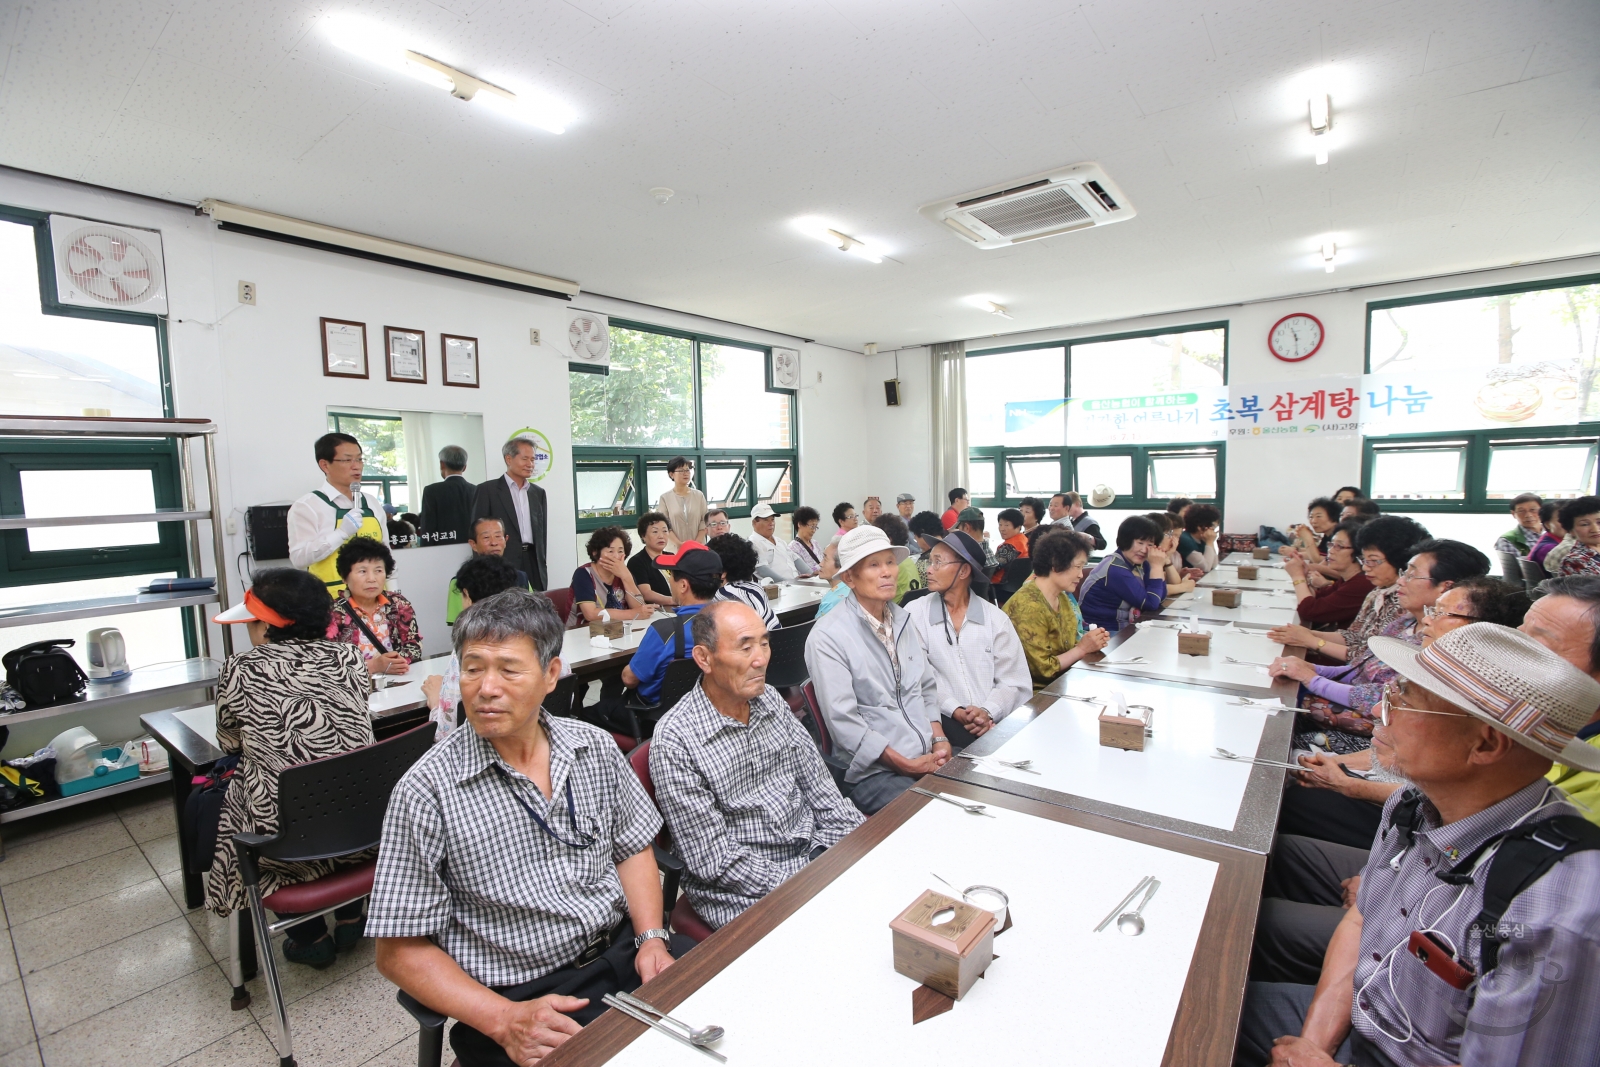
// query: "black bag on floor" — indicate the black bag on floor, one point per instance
point(44, 673)
point(203, 811)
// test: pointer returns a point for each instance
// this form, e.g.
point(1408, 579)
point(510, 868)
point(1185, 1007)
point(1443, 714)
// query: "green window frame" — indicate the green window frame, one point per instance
point(1140, 457)
point(18, 565)
point(1475, 451)
point(747, 468)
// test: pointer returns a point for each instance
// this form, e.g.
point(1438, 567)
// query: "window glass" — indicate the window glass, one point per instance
point(1016, 398)
point(1419, 474)
point(152, 637)
point(52, 493)
point(774, 484)
point(1191, 359)
point(383, 452)
point(66, 365)
point(736, 409)
point(646, 399)
point(658, 481)
point(1553, 470)
point(980, 478)
point(1192, 474)
point(604, 489)
point(725, 483)
point(1113, 471)
point(1511, 333)
point(1033, 477)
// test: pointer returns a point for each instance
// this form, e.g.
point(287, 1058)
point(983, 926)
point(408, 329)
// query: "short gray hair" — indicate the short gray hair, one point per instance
point(704, 624)
point(510, 448)
point(513, 613)
point(454, 457)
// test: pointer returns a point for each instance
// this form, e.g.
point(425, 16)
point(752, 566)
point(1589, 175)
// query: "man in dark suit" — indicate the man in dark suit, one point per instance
point(447, 505)
point(520, 506)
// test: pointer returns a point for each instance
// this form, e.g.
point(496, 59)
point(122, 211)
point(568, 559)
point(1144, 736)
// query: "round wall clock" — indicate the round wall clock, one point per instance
point(1295, 337)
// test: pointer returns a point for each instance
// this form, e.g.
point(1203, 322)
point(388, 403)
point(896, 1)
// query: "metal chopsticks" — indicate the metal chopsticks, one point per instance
point(639, 1016)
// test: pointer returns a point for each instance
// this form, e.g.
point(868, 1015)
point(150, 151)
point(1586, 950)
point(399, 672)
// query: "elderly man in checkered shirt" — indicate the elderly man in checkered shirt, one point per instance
point(516, 882)
point(745, 794)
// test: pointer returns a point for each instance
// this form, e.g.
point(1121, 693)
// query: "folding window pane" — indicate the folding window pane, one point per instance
point(604, 489)
point(725, 484)
point(1032, 477)
point(647, 398)
point(980, 478)
point(774, 484)
point(54, 493)
point(1183, 475)
point(1419, 474)
point(1113, 471)
point(736, 411)
point(1554, 471)
point(56, 365)
point(1017, 398)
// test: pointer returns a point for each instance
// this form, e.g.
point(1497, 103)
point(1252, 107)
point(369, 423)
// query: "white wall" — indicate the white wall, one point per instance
point(1269, 482)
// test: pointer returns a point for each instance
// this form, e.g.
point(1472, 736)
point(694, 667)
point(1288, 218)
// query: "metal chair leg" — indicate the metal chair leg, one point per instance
point(236, 976)
point(269, 964)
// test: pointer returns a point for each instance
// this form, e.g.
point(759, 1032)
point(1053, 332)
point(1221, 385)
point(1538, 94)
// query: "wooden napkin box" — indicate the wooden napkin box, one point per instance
point(1248, 573)
point(610, 629)
point(1122, 731)
point(1194, 644)
point(948, 957)
point(1226, 598)
point(1261, 553)
point(772, 591)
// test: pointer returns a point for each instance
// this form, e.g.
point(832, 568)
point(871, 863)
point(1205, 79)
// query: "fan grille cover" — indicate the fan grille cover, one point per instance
point(100, 265)
point(589, 336)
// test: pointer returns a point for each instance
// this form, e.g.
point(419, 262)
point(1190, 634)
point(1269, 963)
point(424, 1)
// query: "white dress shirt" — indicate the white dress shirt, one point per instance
point(981, 665)
point(772, 561)
point(519, 502)
point(313, 533)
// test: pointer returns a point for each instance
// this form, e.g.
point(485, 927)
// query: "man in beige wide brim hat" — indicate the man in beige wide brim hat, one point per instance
point(1474, 722)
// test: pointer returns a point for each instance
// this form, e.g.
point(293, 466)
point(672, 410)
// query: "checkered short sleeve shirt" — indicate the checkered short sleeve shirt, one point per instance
point(463, 863)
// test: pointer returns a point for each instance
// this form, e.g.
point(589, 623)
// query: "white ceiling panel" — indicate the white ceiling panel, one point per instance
point(1463, 138)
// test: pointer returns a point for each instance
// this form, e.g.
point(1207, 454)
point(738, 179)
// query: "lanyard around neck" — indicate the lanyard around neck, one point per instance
point(585, 839)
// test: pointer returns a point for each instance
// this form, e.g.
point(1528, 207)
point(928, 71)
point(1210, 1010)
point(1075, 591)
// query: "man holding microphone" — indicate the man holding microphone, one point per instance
point(324, 519)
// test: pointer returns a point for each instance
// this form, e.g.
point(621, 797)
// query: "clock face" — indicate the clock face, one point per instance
point(1295, 337)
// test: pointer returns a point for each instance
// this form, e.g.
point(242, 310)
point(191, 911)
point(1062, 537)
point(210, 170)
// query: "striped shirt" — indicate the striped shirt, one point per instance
point(752, 595)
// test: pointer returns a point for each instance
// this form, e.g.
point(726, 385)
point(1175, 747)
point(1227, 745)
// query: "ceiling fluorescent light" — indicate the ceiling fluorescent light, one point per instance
point(1320, 110)
point(1329, 250)
point(378, 44)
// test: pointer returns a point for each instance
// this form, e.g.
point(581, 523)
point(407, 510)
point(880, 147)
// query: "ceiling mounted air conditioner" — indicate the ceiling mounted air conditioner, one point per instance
point(1044, 205)
point(99, 265)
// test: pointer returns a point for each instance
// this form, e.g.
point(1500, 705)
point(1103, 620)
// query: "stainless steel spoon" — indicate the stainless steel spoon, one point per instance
point(970, 809)
point(699, 1035)
point(1132, 922)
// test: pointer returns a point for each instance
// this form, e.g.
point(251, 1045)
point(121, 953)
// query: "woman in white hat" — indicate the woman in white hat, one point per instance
point(293, 697)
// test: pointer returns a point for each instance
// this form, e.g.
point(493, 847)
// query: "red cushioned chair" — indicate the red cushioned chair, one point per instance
point(562, 599)
point(837, 765)
point(326, 808)
point(681, 917)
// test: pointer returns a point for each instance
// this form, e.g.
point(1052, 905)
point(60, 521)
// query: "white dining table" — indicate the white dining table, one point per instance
point(1257, 608)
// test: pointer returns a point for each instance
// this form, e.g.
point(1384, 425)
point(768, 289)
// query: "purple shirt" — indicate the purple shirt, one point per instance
point(1116, 592)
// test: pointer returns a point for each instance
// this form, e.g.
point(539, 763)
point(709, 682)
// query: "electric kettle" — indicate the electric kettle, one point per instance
point(108, 655)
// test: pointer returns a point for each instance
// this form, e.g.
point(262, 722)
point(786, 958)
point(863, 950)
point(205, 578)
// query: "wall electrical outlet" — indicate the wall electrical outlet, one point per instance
point(533, 336)
point(232, 526)
point(247, 292)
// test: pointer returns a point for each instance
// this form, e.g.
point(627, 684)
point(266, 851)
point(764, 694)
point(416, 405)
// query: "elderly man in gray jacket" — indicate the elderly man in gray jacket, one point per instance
point(876, 689)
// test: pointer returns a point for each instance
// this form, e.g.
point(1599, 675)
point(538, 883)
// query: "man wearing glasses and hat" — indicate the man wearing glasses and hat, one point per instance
point(906, 504)
point(1474, 937)
point(516, 881)
point(979, 668)
point(872, 678)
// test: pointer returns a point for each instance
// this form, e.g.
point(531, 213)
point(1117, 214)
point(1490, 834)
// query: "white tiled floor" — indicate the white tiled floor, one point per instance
point(100, 962)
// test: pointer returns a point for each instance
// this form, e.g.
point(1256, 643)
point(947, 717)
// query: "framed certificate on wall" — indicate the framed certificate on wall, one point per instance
point(460, 358)
point(405, 355)
point(344, 348)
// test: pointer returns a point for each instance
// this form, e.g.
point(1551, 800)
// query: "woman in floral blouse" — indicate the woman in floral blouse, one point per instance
point(382, 625)
point(1044, 613)
point(1581, 520)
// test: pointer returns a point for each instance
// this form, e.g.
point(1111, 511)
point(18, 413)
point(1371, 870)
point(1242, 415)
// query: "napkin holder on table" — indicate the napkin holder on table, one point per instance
point(948, 957)
point(1122, 731)
point(772, 591)
point(609, 629)
point(1226, 598)
point(1261, 553)
point(1194, 644)
point(1248, 573)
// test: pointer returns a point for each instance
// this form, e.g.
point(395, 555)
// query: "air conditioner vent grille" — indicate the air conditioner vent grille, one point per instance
point(1101, 195)
point(1046, 209)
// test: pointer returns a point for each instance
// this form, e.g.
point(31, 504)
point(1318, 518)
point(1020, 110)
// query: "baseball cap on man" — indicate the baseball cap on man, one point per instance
point(694, 560)
point(762, 511)
point(970, 515)
point(905, 498)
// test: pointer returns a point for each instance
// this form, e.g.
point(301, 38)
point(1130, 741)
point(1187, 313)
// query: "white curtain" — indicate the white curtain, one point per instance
point(422, 459)
point(949, 391)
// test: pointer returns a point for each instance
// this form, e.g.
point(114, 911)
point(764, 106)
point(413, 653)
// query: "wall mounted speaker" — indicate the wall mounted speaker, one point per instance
point(891, 392)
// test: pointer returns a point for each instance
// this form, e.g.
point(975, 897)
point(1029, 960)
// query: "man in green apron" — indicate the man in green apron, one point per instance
point(324, 519)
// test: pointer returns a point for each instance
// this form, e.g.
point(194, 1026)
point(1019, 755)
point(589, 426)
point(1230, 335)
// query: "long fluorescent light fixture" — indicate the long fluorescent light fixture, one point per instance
point(312, 233)
point(1329, 251)
point(379, 44)
point(822, 231)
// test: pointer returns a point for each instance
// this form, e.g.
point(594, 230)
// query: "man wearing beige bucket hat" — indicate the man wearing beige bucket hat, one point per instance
point(1479, 843)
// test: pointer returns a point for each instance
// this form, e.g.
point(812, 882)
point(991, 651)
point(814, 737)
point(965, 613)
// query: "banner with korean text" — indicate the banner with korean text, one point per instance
point(1544, 393)
point(1265, 411)
point(1153, 419)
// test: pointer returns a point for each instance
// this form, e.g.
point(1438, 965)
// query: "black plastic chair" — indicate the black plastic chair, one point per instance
point(1015, 576)
point(1510, 569)
point(326, 808)
point(787, 667)
point(1532, 572)
point(559, 700)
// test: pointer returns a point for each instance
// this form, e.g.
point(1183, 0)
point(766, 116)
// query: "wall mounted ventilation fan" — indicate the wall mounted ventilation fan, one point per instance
point(99, 265)
point(589, 337)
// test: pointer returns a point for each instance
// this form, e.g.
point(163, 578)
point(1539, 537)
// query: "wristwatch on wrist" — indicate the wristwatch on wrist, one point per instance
point(1320, 642)
point(639, 941)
